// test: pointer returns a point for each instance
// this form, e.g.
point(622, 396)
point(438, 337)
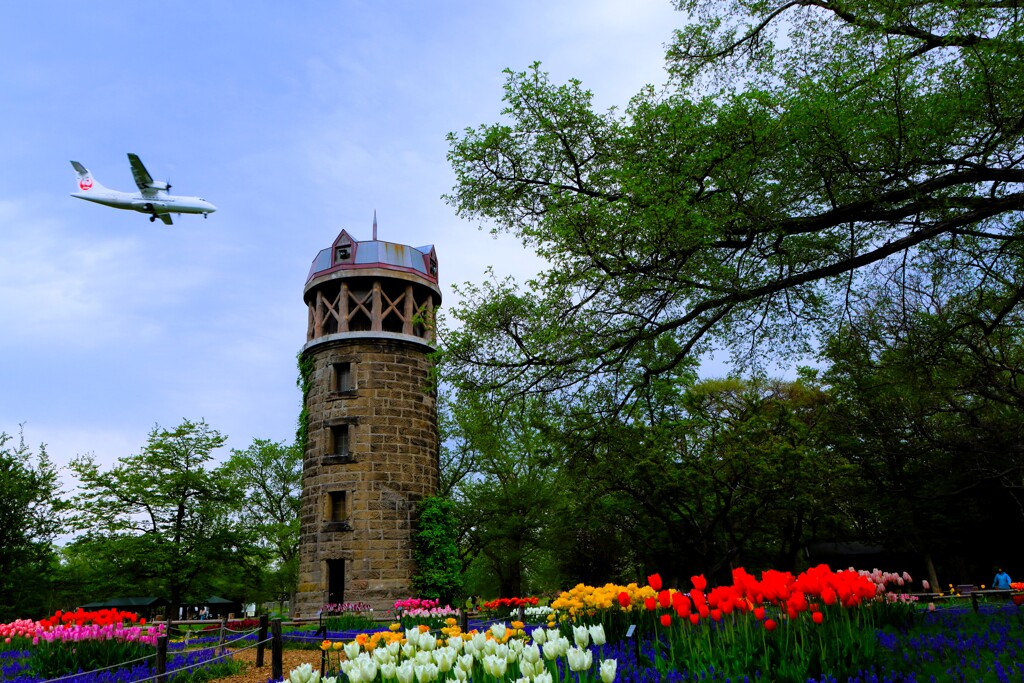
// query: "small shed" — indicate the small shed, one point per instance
point(143, 606)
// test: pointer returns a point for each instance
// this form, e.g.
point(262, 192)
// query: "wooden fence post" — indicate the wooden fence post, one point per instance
point(262, 637)
point(221, 649)
point(276, 663)
point(161, 659)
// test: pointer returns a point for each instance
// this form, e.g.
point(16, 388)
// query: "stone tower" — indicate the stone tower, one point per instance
point(372, 448)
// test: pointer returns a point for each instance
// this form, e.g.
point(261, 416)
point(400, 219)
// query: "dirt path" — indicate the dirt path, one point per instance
point(290, 660)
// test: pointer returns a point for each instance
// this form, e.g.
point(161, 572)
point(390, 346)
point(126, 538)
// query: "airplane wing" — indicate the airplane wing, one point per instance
point(142, 177)
point(166, 218)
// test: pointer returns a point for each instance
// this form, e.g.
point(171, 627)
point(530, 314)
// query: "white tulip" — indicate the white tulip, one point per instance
point(426, 673)
point(352, 649)
point(412, 634)
point(539, 635)
point(368, 668)
point(581, 635)
point(405, 672)
point(428, 641)
point(498, 631)
point(301, 674)
point(552, 650)
point(608, 670)
point(543, 677)
point(456, 643)
point(394, 648)
point(527, 669)
point(597, 634)
point(381, 655)
point(388, 671)
point(422, 657)
point(579, 659)
point(465, 662)
point(444, 658)
point(530, 653)
point(354, 674)
point(460, 675)
point(409, 648)
point(495, 666)
point(479, 640)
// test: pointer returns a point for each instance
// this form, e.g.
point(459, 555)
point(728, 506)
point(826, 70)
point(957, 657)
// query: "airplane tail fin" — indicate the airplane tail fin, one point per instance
point(85, 180)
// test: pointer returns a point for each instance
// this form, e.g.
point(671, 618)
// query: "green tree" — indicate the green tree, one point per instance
point(504, 486)
point(705, 477)
point(436, 551)
point(799, 150)
point(268, 475)
point(29, 521)
point(162, 519)
point(929, 409)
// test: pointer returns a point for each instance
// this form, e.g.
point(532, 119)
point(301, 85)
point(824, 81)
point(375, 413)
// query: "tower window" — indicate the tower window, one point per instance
point(339, 440)
point(336, 510)
point(342, 377)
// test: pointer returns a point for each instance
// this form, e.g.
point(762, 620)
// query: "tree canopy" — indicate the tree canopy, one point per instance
point(799, 151)
point(29, 522)
point(165, 506)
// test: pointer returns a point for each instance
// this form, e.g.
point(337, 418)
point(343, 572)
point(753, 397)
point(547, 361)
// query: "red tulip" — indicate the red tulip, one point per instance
point(666, 620)
point(769, 624)
point(817, 617)
point(664, 599)
point(624, 599)
point(650, 604)
point(654, 581)
point(694, 618)
point(759, 613)
point(699, 582)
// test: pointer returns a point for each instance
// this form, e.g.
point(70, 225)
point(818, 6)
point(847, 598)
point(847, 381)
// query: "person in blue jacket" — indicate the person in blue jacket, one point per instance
point(1002, 580)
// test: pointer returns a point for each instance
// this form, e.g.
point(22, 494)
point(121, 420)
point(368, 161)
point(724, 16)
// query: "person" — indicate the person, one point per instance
point(1002, 580)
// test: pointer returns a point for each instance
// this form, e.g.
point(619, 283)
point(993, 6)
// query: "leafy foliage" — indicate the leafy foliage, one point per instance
point(799, 151)
point(29, 521)
point(436, 552)
point(167, 506)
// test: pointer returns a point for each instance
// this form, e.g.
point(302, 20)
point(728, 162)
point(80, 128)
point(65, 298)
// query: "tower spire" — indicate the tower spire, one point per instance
point(375, 225)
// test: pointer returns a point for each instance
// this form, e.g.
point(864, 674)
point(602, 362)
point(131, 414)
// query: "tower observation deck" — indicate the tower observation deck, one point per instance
point(372, 444)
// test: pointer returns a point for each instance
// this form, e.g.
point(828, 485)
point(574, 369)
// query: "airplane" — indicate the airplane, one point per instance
point(152, 197)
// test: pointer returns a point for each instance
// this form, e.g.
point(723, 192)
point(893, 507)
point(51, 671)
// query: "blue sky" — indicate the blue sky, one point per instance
point(296, 120)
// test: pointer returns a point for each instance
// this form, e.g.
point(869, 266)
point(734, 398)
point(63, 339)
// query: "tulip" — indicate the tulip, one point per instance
point(539, 635)
point(388, 672)
point(581, 635)
point(352, 650)
point(817, 617)
point(597, 634)
point(666, 620)
point(405, 672)
point(654, 581)
point(608, 670)
point(543, 677)
point(579, 659)
point(426, 673)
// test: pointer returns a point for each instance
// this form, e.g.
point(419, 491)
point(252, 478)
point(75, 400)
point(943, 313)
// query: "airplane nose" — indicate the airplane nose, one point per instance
point(210, 208)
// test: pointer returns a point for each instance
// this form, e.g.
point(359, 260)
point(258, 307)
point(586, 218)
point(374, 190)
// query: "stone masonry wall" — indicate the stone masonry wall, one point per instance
point(391, 419)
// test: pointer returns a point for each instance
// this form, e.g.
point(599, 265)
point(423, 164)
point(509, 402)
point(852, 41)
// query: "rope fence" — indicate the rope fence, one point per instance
point(162, 674)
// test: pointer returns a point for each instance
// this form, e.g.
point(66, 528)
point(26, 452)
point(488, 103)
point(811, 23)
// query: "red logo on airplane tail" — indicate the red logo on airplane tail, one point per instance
point(85, 184)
